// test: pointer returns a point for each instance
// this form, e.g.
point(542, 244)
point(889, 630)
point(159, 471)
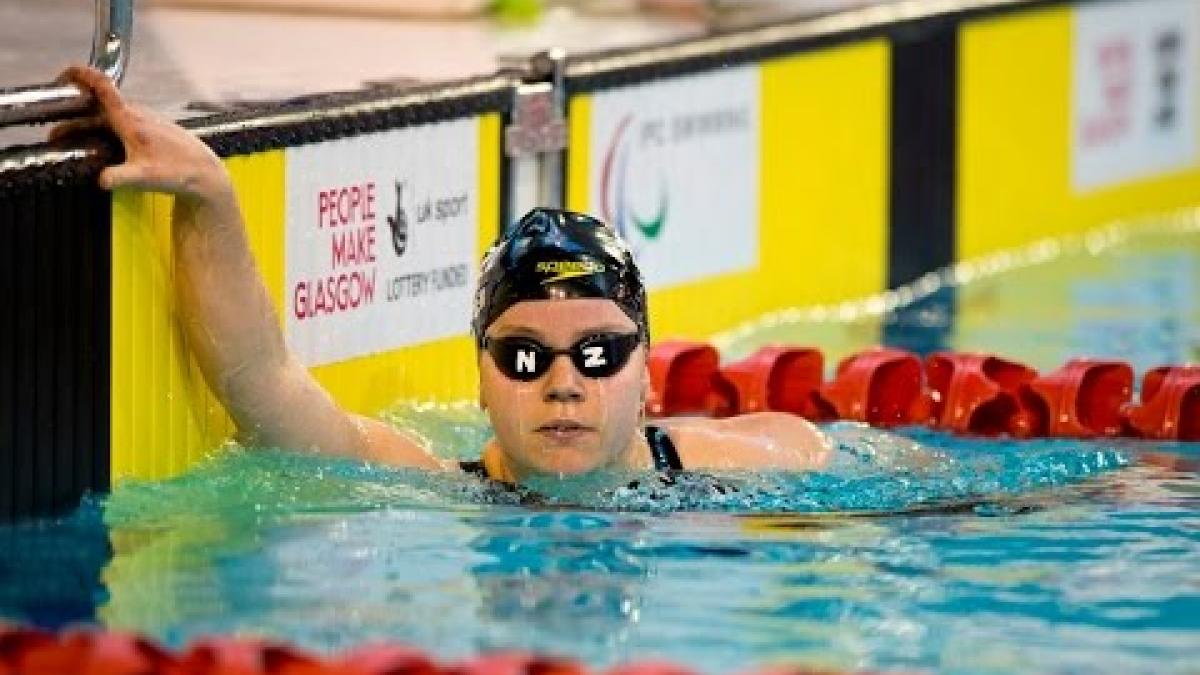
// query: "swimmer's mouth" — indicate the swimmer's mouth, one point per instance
point(563, 427)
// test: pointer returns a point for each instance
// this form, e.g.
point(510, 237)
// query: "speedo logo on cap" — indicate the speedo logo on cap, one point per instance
point(568, 269)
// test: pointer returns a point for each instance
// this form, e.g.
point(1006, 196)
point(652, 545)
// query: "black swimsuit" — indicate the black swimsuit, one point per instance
point(662, 450)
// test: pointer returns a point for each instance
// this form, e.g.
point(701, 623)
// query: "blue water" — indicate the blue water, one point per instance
point(912, 551)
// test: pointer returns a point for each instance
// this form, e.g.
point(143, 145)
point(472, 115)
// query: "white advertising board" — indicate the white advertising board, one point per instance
point(674, 167)
point(1134, 90)
point(381, 237)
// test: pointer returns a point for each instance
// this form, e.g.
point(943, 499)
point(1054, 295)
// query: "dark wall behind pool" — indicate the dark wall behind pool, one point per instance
point(922, 214)
point(54, 342)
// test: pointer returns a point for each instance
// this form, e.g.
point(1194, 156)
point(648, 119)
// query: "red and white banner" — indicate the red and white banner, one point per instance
point(1134, 91)
point(381, 240)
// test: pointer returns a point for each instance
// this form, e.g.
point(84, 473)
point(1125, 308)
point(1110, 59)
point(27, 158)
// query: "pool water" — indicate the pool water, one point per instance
point(913, 550)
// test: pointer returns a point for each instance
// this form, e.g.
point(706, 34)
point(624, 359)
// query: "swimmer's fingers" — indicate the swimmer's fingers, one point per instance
point(169, 159)
point(128, 175)
point(75, 128)
point(113, 108)
point(128, 121)
point(156, 175)
point(159, 154)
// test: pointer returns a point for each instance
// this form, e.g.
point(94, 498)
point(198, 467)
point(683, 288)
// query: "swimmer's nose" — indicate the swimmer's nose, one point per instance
point(563, 384)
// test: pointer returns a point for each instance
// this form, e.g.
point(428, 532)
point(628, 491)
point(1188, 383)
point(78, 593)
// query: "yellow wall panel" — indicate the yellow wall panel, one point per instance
point(826, 120)
point(579, 115)
point(1014, 76)
point(490, 133)
point(1014, 173)
point(163, 416)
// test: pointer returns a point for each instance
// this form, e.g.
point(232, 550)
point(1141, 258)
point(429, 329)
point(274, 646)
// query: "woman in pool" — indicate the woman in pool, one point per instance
point(560, 322)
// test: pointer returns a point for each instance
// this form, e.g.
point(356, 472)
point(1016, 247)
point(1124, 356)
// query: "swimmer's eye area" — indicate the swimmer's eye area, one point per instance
point(595, 356)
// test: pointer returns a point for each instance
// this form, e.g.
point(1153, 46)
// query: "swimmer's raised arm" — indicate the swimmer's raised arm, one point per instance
point(222, 303)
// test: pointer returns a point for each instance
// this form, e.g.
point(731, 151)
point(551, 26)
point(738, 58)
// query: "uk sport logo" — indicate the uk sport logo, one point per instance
point(399, 222)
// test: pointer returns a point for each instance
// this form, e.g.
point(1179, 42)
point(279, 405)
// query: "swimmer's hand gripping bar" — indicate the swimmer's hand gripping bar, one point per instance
point(110, 54)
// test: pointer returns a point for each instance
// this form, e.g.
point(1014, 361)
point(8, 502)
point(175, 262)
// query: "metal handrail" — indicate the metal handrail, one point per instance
point(110, 54)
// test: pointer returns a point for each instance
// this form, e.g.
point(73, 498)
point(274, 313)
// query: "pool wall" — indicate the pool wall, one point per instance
point(792, 164)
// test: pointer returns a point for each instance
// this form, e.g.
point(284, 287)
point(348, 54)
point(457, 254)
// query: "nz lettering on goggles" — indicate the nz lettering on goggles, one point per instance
point(595, 356)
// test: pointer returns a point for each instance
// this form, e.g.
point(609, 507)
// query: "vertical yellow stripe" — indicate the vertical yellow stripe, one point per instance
point(579, 156)
point(1013, 138)
point(824, 175)
point(489, 180)
point(261, 183)
point(128, 208)
point(159, 292)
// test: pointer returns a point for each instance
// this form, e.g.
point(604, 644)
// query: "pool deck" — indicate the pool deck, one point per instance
point(222, 51)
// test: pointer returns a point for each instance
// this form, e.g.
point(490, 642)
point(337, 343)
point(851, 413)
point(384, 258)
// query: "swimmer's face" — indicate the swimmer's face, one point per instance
point(564, 422)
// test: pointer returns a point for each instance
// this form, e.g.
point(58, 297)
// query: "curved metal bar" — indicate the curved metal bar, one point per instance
point(110, 54)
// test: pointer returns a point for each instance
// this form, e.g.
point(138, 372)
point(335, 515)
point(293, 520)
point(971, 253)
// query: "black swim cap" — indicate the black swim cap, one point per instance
point(553, 254)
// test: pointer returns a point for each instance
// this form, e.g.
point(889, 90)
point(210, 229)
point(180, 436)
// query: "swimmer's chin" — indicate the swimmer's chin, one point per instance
point(564, 460)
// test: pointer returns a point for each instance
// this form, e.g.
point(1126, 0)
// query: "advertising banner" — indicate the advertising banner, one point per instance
point(674, 166)
point(381, 238)
point(1134, 90)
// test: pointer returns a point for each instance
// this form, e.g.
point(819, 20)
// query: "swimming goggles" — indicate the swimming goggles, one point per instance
point(525, 359)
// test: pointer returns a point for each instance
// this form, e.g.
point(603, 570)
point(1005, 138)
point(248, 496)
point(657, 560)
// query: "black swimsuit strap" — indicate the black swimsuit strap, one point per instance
point(474, 467)
point(662, 449)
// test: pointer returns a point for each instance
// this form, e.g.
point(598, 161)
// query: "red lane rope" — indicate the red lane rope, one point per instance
point(960, 392)
point(32, 652)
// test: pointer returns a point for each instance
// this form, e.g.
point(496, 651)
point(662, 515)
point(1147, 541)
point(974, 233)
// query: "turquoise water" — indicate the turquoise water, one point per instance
point(912, 551)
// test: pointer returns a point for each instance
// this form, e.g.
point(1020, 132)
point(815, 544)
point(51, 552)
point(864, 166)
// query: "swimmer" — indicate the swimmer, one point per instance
point(560, 324)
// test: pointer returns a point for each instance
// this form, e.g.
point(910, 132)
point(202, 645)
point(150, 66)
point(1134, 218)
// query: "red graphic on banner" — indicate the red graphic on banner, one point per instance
point(347, 215)
point(1114, 60)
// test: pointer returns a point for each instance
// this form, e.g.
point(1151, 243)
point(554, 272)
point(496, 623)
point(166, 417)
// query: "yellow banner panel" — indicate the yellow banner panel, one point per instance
point(1021, 128)
point(822, 188)
point(825, 179)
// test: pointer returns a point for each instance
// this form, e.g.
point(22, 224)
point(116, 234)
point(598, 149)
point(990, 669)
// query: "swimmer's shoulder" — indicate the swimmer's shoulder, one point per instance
point(769, 440)
point(385, 444)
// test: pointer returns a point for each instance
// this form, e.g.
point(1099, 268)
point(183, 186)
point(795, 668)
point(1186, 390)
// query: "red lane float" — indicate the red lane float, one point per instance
point(1084, 398)
point(779, 378)
point(385, 660)
point(881, 387)
point(516, 664)
point(652, 668)
point(684, 380)
point(1170, 407)
point(234, 656)
point(978, 394)
point(86, 653)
